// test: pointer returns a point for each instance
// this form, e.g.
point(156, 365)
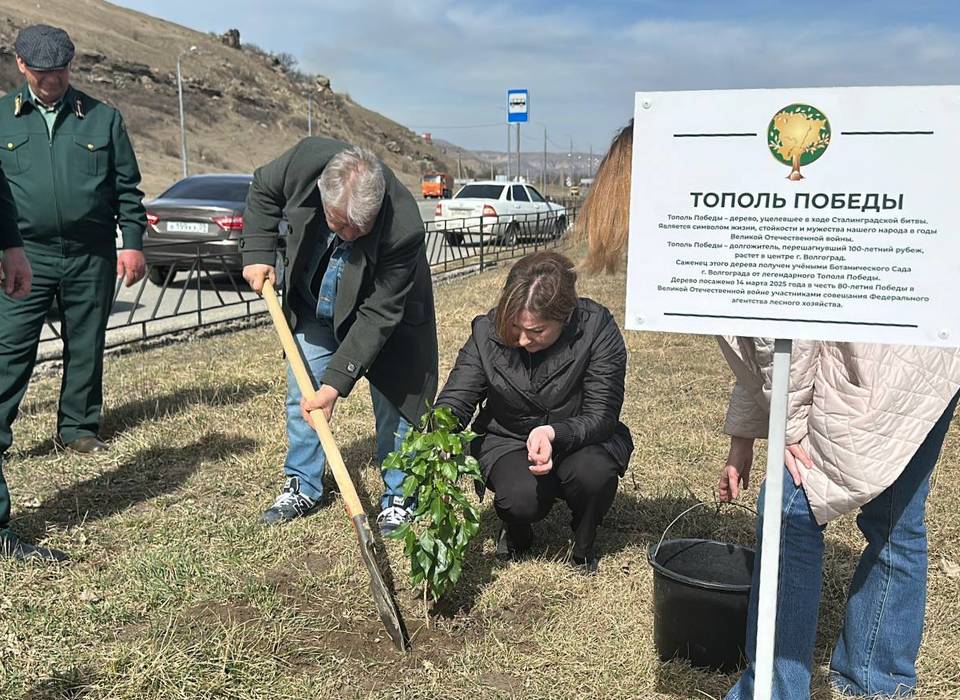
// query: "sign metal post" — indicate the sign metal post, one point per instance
point(518, 111)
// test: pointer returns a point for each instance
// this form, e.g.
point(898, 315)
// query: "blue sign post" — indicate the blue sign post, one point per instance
point(518, 103)
point(518, 111)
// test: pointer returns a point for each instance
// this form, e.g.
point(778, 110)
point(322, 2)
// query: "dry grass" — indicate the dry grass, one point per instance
point(178, 592)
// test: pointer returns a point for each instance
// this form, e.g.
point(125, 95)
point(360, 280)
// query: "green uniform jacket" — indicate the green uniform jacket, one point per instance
point(383, 314)
point(9, 233)
point(73, 189)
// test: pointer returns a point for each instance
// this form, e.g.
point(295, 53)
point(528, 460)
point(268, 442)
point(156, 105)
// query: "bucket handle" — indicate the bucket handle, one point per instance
point(694, 507)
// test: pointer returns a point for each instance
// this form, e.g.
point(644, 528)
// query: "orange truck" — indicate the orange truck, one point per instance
point(436, 185)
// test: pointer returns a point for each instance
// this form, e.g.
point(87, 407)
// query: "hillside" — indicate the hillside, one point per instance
point(243, 107)
point(559, 166)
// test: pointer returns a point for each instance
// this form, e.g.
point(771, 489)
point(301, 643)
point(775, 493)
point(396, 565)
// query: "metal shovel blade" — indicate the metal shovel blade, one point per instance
point(386, 606)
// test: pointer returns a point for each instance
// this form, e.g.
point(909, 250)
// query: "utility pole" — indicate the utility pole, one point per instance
point(309, 115)
point(508, 152)
point(183, 130)
point(543, 168)
point(570, 159)
point(590, 163)
point(459, 164)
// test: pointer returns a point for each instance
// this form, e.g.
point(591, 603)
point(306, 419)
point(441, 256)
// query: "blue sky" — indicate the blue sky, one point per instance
point(444, 65)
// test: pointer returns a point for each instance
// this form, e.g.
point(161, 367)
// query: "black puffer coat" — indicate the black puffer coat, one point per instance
point(577, 388)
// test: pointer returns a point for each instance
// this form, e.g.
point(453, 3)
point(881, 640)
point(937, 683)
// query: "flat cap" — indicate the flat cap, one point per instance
point(43, 47)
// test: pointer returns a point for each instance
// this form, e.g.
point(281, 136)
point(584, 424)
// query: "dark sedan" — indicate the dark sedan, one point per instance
point(199, 214)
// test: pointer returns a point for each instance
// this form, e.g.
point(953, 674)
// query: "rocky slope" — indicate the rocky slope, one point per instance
point(243, 106)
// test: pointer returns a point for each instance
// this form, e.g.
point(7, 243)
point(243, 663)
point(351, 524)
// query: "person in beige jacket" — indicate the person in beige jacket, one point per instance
point(865, 424)
point(865, 428)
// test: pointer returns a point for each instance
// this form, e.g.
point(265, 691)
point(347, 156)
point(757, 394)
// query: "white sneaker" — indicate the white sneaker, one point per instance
point(393, 516)
point(289, 505)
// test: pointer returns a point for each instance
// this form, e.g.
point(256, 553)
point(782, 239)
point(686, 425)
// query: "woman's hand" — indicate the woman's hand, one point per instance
point(793, 455)
point(540, 449)
point(736, 470)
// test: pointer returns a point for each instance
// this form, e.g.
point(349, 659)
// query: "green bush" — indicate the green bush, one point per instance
point(434, 456)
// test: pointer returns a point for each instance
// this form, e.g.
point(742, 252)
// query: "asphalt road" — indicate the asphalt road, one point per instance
point(427, 208)
point(202, 296)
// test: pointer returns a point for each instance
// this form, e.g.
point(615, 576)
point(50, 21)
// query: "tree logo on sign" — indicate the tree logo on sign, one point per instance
point(798, 134)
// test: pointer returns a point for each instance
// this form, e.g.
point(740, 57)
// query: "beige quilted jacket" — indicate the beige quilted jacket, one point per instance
point(860, 411)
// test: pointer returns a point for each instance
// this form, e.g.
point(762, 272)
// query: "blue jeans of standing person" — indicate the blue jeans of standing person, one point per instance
point(305, 458)
point(877, 650)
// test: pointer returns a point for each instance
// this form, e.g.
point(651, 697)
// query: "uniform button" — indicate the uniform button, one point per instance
point(10, 146)
point(286, 262)
point(90, 146)
point(351, 367)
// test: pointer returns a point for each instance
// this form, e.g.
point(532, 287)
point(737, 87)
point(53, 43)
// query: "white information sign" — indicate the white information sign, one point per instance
point(825, 213)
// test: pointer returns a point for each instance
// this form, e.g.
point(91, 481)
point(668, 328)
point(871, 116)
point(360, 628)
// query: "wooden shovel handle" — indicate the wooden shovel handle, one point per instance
point(347, 491)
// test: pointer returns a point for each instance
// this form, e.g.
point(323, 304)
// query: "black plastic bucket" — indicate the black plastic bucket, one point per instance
point(700, 592)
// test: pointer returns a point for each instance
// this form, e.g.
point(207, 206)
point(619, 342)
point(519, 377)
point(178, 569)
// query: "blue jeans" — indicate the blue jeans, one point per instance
point(305, 458)
point(877, 650)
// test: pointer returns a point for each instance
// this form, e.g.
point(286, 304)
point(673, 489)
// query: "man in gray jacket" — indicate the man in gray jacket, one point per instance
point(358, 296)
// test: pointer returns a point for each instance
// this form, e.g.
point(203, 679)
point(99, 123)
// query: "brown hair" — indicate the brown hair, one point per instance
point(604, 219)
point(544, 283)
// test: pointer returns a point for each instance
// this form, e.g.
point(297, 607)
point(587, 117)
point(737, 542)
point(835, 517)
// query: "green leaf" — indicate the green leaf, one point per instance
point(423, 507)
point(442, 563)
point(445, 419)
point(449, 470)
point(410, 486)
point(455, 571)
point(471, 528)
point(436, 509)
point(409, 540)
point(400, 533)
point(427, 542)
point(418, 444)
point(392, 461)
point(424, 559)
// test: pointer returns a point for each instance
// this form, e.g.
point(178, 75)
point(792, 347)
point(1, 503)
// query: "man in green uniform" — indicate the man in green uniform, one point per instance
point(74, 178)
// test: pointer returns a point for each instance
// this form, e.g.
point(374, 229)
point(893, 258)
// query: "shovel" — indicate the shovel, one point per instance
point(386, 606)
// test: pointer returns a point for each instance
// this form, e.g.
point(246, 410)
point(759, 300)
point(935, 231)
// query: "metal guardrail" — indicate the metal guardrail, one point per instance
point(195, 288)
point(481, 241)
point(194, 285)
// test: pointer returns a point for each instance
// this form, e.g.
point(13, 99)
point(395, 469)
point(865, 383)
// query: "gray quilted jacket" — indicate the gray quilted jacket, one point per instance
point(860, 411)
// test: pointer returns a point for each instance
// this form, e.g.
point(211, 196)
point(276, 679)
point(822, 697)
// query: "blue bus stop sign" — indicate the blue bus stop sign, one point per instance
point(518, 102)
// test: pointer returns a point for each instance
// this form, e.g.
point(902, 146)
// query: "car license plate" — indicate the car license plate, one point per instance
point(185, 227)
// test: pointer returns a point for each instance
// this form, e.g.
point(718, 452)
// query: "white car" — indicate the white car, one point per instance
point(503, 212)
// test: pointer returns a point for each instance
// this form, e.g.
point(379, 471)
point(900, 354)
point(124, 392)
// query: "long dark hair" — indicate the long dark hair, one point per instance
point(545, 284)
